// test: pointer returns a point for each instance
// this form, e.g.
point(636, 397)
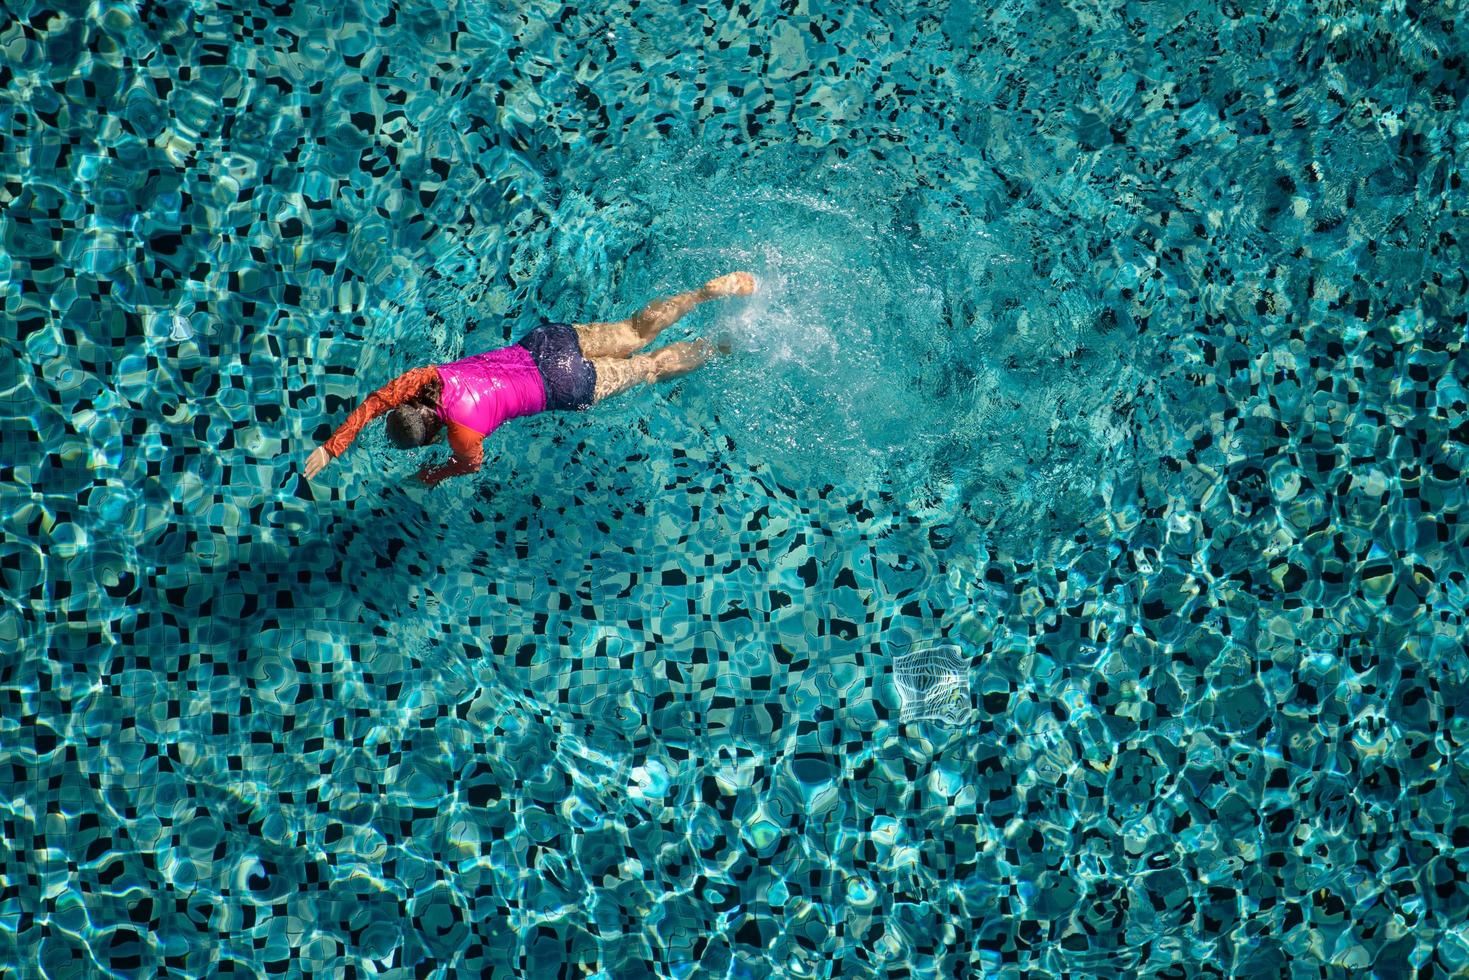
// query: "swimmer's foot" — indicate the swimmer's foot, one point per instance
point(733, 284)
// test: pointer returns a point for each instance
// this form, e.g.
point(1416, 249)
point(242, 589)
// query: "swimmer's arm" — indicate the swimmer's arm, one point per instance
point(469, 456)
point(403, 388)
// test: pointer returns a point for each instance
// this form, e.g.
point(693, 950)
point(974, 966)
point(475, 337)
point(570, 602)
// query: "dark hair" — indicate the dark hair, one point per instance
point(413, 424)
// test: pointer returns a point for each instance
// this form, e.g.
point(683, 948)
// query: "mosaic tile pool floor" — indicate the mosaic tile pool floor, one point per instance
point(1064, 576)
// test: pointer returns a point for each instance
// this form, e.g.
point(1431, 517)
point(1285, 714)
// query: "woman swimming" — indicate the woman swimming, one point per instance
point(557, 366)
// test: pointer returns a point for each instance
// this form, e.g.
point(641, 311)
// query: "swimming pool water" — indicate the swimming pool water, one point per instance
point(1107, 379)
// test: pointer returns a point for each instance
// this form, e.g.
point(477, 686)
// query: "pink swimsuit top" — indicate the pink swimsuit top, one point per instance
point(484, 390)
point(478, 394)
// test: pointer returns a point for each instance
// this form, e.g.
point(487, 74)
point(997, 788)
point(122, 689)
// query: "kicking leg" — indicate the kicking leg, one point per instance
point(617, 374)
point(623, 337)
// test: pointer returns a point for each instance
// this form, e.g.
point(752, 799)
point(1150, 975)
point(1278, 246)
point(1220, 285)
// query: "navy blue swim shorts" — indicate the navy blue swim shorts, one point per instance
point(570, 378)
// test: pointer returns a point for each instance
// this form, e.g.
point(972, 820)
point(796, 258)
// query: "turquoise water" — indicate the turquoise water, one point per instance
point(1065, 575)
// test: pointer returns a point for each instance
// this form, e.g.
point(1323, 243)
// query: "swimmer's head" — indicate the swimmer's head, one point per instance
point(412, 425)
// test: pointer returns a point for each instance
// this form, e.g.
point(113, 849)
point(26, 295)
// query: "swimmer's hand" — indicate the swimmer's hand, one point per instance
point(317, 461)
point(431, 475)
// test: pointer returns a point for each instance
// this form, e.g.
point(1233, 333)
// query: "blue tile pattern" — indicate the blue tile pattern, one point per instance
point(1119, 353)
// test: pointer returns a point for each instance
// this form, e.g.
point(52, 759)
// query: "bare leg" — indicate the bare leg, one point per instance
point(623, 337)
point(617, 374)
point(679, 359)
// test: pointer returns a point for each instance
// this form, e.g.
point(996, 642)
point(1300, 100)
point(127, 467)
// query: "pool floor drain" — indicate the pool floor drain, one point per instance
point(933, 685)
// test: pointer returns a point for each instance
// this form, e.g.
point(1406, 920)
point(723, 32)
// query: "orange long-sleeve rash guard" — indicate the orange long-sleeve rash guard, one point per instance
point(466, 443)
